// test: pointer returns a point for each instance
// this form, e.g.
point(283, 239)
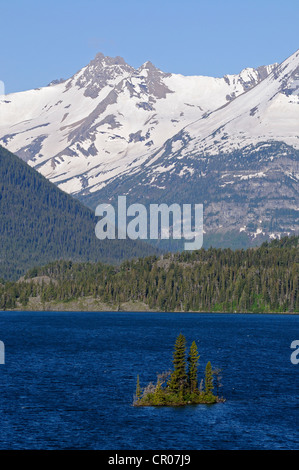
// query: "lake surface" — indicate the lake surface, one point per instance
point(69, 378)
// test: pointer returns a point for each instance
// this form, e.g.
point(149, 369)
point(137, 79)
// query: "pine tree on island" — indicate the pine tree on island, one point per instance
point(138, 388)
point(181, 388)
point(193, 365)
point(178, 378)
point(209, 386)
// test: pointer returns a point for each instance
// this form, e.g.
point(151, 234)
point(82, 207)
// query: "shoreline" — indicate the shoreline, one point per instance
point(134, 310)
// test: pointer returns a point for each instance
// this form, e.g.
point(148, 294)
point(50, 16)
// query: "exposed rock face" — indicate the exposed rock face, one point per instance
point(248, 195)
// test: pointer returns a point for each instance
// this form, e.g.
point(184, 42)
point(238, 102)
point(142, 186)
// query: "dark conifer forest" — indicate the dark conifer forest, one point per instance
point(261, 280)
point(40, 223)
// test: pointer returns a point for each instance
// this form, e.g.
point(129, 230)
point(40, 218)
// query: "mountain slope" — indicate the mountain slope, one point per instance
point(40, 223)
point(248, 196)
point(109, 118)
point(267, 112)
point(241, 161)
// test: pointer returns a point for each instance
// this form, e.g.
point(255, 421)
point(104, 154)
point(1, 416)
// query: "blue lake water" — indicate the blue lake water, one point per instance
point(69, 378)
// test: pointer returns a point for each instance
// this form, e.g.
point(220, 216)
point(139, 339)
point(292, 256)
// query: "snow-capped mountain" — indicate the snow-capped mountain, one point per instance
point(109, 118)
point(241, 161)
point(267, 112)
point(231, 143)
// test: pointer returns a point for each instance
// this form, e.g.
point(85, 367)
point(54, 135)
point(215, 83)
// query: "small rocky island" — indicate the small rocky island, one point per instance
point(180, 387)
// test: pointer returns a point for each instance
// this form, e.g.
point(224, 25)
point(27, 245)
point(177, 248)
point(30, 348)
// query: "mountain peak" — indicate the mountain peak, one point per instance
point(100, 58)
point(148, 65)
point(250, 76)
point(287, 73)
point(101, 71)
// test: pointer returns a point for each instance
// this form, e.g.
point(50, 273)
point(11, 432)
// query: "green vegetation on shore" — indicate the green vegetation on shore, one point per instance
point(180, 387)
point(260, 280)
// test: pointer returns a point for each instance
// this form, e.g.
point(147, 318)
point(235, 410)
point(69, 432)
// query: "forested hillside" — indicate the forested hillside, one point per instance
point(40, 223)
point(263, 279)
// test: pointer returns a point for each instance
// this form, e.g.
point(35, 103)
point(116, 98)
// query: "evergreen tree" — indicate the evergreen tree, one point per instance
point(209, 379)
point(192, 369)
point(138, 389)
point(178, 378)
point(158, 397)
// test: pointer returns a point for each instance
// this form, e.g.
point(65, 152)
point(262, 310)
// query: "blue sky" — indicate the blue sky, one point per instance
point(42, 41)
